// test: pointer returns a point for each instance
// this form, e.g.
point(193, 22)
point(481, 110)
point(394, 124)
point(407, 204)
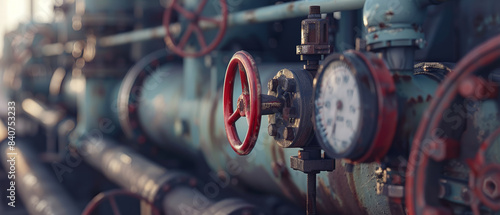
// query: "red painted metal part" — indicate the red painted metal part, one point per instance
point(387, 108)
point(249, 102)
point(423, 169)
point(110, 195)
point(480, 172)
point(194, 17)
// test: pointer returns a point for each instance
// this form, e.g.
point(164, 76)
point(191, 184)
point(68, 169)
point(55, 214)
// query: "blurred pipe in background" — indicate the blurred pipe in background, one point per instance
point(40, 192)
point(174, 191)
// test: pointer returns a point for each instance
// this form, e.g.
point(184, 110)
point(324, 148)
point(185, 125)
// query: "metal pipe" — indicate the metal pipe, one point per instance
point(136, 36)
point(94, 105)
point(399, 59)
point(49, 117)
point(52, 119)
point(37, 188)
point(124, 166)
point(173, 190)
point(264, 14)
point(184, 200)
point(291, 10)
point(266, 168)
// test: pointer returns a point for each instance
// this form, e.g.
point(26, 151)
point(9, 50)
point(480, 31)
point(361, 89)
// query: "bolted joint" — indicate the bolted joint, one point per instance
point(287, 84)
point(394, 24)
point(272, 130)
point(314, 39)
point(241, 105)
point(491, 186)
point(289, 133)
point(272, 85)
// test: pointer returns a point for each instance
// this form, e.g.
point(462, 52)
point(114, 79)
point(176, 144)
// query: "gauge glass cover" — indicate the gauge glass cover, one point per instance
point(338, 107)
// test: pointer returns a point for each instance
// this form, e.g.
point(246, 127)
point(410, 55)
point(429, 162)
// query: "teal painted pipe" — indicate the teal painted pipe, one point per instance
point(96, 103)
point(36, 186)
point(196, 125)
point(264, 14)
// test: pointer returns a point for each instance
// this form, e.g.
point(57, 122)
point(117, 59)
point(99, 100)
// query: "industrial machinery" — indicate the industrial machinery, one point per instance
point(156, 107)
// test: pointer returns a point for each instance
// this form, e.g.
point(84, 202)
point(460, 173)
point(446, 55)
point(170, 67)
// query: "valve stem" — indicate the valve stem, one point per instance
point(314, 40)
point(310, 161)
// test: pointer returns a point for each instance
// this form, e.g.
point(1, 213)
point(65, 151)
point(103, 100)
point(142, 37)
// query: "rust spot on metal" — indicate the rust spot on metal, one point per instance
point(326, 202)
point(141, 139)
point(417, 100)
point(154, 34)
point(375, 36)
point(411, 101)
point(396, 179)
point(382, 25)
point(290, 7)
point(429, 98)
point(398, 77)
point(415, 27)
point(250, 15)
point(342, 183)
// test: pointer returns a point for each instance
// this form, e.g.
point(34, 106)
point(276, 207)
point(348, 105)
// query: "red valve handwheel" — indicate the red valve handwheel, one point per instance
point(194, 17)
point(248, 105)
point(430, 152)
point(110, 196)
point(480, 172)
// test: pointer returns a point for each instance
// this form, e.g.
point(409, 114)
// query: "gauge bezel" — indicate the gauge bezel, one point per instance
point(380, 118)
point(368, 100)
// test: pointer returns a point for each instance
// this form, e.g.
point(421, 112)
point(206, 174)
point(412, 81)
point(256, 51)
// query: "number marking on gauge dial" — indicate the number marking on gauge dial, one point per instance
point(338, 106)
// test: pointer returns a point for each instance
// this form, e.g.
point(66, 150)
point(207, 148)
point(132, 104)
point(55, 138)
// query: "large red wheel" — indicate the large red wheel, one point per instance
point(111, 197)
point(194, 18)
point(248, 105)
point(436, 143)
point(485, 178)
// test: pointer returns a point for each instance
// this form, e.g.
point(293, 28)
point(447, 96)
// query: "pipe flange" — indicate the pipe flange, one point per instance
point(291, 127)
point(397, 36)
point(129, 95)
point(172, 181)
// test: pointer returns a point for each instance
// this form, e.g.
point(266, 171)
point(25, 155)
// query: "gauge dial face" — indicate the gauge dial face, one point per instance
point(338, 107)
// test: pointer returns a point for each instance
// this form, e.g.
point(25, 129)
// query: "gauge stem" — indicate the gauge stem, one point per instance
point(311, 193)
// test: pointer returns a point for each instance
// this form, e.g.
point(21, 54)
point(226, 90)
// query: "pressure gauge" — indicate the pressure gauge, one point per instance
point(355, 109)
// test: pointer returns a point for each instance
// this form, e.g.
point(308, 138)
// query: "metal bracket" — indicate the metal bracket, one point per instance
point(312, 166)
point(311, 162)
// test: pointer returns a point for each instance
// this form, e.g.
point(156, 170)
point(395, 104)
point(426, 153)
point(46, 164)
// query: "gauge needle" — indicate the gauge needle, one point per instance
point(334, 119)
